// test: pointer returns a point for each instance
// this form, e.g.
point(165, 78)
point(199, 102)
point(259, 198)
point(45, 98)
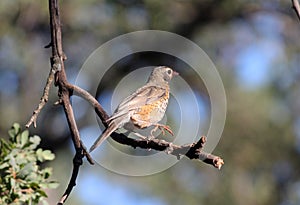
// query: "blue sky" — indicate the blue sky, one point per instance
point(262, 47)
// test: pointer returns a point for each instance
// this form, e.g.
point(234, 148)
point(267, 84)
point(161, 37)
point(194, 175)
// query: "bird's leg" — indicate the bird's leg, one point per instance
point(163, 128)
point(153, 130)
point(143, 124)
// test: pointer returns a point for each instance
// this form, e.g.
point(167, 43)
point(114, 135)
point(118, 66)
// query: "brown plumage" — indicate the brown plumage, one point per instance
point(143, 108)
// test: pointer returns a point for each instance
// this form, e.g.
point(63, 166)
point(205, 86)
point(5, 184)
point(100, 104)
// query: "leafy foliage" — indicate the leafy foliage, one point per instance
point(22, 180)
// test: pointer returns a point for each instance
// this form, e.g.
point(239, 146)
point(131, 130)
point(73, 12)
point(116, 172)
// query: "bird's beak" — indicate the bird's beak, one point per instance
point(175, 73)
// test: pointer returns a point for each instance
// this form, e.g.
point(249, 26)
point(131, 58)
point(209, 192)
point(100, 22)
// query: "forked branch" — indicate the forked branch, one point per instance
point(192, 151)
point(65, 90)
point(43, 100)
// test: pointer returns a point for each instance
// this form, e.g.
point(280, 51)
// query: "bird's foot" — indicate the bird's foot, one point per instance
point(167, 128)
point(149, 138)
point(162, 128)
point(146, 138)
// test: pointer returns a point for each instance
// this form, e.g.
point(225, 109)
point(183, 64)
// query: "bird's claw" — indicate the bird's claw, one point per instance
point(149, 138)
point(166, 127)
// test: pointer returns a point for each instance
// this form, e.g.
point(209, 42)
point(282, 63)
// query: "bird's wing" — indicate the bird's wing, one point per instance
point(143, 96)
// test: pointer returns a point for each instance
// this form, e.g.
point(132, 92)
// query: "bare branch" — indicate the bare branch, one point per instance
point(77, 162)
point(88, 97)
point(296, 7)
point(44, 99)
point(64, 93)
point(192, 151)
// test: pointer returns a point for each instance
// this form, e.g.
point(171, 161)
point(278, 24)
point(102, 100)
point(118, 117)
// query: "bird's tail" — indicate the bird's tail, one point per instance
point(107, 132)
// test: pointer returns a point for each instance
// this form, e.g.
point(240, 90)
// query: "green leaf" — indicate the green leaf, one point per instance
point(11, 133)
point(34, 185)
point(24, 198)
point(24, 138)
point(12, 182)
point(16, 127)
point(39, 154)
point(35, 141)
point(27, 170)
point(12, 161)
point(15, 130)
point(42, 193)
point(4, 165)
point(47, 172)
point(19, 169)
point(48, 155)
point(52, 185)
point(20, 159)
point(49, 185)
point(5, 147)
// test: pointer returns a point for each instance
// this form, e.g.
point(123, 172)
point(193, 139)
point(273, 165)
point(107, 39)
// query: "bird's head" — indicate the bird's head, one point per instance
point(162, 74)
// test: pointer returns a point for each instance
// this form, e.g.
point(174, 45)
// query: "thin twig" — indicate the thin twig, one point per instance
point(77, 162)
point(43, 100)
point(296, 7)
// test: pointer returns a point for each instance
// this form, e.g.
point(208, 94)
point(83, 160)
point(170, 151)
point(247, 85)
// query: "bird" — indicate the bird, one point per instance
point(143, 108)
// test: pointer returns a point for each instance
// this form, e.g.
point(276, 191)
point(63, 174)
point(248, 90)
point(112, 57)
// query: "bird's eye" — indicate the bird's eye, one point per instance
point(169, 72)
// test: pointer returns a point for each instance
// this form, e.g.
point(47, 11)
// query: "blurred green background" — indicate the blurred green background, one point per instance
point(255, 47)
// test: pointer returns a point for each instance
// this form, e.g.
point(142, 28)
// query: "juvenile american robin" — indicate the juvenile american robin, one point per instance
point(143, 108)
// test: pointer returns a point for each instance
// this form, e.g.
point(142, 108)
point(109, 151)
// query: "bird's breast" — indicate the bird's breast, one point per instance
point(154, 111)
